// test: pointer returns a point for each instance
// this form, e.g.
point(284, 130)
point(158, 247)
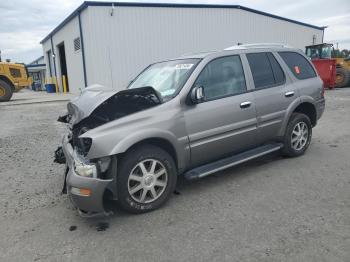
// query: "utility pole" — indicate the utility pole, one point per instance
point(0, 55)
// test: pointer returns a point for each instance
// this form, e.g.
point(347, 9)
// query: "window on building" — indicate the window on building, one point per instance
point(77, 44)
point(222, 77)
point(298, 64)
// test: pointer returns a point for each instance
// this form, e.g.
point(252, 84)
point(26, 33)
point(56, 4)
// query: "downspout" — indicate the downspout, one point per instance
point(82, 49)
point(53, 56)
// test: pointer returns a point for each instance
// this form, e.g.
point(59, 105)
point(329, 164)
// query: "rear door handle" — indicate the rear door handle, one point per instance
point(245, 104)
point(289, 94)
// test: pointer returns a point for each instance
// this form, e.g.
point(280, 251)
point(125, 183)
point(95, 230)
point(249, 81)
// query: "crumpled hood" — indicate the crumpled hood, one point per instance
point(105, 104)
point(91, 97)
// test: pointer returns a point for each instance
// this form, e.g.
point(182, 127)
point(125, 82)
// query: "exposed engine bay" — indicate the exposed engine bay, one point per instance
point(85, 114)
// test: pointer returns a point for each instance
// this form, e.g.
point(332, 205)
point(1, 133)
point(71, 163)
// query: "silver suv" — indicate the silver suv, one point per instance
point(190, 116)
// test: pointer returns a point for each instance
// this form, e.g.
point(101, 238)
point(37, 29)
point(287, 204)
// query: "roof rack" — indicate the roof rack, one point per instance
point(257, 45)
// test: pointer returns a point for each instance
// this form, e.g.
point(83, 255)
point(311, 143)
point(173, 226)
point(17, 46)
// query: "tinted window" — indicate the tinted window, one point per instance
point(261, 70)
point(298, 64)
point(277, 70)
point(222, 77)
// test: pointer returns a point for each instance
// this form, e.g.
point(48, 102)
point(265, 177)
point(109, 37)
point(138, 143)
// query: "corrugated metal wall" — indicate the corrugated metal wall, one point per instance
point(73, 58)
point(119, 46)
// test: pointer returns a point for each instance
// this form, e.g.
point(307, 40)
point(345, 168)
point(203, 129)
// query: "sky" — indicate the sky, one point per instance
point(24, 23)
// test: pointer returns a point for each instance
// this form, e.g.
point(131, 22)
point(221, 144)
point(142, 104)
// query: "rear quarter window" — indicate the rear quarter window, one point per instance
point(298, 64)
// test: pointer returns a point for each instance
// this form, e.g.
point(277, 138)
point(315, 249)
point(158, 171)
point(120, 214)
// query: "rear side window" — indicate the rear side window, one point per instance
point(277, 70)
point(298, 64)
point(265, 70)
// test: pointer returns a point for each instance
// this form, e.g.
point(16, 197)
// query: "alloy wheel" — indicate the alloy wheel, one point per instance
point(147, 181)
point(300, 136)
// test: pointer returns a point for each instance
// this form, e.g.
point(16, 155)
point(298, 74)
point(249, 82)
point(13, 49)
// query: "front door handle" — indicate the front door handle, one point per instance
point(289, 94)
point(245, 104)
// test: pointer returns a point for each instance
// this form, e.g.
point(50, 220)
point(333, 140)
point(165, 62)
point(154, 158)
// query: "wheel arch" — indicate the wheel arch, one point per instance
point(8, 81)
point(308, 109)
point(164, 139)
point(160, 142)
point(305, 105)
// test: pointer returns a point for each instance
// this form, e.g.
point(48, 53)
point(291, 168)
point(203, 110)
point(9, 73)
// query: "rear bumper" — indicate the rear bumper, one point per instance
point(320, 107)
point(92, 204)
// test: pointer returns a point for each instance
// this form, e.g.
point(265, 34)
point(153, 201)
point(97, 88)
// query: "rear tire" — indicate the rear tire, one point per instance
point(146, 178)
point(342, 78)
point(5, 91)
point(298, 135)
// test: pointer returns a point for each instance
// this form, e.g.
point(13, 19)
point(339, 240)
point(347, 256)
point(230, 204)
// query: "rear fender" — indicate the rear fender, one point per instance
point(291, 109)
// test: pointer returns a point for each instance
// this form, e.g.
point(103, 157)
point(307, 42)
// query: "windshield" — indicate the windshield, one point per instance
point(319, 51)
point(166, 77)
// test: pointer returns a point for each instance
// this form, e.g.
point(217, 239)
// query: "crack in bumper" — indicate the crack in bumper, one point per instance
point(91, 205)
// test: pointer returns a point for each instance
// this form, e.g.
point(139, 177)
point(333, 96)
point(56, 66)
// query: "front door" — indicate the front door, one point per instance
point(225, 121)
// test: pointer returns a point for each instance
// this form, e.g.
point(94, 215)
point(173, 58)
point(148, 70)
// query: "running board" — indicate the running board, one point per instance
point(234, 160)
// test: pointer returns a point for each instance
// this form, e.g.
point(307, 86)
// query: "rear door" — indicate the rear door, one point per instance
point(305, 76)
point(225, 121)
point(273, 93)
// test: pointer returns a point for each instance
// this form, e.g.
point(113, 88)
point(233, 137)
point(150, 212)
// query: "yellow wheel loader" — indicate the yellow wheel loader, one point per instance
point(13, 77)
point(342, 78)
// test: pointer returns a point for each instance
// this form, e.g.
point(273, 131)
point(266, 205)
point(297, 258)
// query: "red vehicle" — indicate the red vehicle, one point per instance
point(321, 57)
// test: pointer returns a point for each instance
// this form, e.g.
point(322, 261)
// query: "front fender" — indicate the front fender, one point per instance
point(139, 136)
point(179, 144)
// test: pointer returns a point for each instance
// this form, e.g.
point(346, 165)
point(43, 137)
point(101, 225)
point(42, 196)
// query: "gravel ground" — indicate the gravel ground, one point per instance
point(271, 209)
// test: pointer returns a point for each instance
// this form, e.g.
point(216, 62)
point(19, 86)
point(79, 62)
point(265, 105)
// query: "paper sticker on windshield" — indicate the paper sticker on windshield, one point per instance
point(168, 92)
point(183, 66)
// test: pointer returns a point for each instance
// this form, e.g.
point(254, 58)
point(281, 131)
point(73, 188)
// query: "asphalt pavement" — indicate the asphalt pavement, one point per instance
point(270, 209)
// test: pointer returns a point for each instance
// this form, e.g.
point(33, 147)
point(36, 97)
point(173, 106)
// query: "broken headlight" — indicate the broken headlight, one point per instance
point(84, 145)
point(85, 170)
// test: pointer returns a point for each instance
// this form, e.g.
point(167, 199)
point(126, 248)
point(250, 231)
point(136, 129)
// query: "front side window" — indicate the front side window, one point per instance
point(222, 77)
point(166, 77)
point(298, 64)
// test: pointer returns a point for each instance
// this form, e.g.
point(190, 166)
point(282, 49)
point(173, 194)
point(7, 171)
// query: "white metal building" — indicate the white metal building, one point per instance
point(109, 43)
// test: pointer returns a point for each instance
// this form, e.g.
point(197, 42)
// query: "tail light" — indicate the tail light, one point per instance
point(323, 89)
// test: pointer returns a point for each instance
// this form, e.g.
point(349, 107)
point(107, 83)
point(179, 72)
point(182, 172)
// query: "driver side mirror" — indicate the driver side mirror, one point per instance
point(197, 94)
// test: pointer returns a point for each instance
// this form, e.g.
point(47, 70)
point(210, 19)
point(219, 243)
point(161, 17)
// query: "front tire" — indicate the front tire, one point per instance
point(298, 135)
point(5, 91)
point(146, 178)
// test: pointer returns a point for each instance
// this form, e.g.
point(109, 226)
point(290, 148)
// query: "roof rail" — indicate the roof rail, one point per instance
point(257, 45)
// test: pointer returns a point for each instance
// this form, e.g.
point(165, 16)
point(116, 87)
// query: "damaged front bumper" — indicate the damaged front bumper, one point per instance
point(86, 193)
